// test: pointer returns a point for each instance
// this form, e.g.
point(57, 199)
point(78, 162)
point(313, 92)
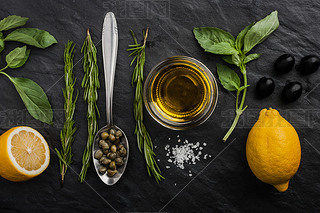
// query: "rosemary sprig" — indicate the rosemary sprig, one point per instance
point(66, 134)
point(90, 83)
point(143, 138)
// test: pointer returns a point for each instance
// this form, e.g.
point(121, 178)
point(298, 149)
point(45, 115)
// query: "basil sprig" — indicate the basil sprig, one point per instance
point(234, 51)
point(32, 95)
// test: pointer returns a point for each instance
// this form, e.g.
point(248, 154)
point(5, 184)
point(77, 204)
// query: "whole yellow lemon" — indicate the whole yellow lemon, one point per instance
point(273, 149)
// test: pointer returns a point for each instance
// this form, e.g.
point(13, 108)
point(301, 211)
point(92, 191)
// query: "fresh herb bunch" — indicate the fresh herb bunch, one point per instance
point(90, 83)
point(234, 52)
point(143, 138)
point(32, 95)
point(66, 134)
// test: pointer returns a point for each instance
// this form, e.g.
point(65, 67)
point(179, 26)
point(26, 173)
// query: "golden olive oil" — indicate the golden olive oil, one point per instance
point(179, 91)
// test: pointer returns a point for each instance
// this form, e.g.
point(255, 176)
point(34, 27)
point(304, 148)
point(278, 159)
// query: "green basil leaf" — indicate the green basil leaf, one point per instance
point(228, 59)
point(32, 36)
point(12, 22)
point(243, 87)
point(34, 98)
point(2, 45)
point(222, 48)
point(251, 57)
point(1, 35)
point(208, 37)
point(240, 37)
point(17, 57)
point(260, 31)
point(228, 78)
point(236, 59)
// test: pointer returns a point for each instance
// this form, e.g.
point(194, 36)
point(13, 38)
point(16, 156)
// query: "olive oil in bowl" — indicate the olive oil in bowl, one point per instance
point(180, 92)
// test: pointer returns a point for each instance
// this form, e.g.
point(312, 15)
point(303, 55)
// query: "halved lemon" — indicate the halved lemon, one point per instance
point(24, 154)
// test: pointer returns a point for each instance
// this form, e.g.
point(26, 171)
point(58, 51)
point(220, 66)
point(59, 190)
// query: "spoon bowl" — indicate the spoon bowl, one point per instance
point(124, 141)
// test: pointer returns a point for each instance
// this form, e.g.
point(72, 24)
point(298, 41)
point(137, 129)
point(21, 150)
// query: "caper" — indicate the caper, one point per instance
point(102, 169)
point(108, 155)
point(113, 148)
point(98, 154)
point(112, 138)
point(119, 161)
point(118, 133)
point(104, 135)
point(117, 142)
point(102, 158)
point(101, 142)
point(113, 156)
point(111, 172)
point(105, 146)
point(105, 151)
point(112, 132)
point(112, 165)
point(118, 154)
point(123, 151)
point(119, 146)
point(109, 143)
point(106, 161)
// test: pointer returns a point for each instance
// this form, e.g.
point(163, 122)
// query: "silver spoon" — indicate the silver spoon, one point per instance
point(109, 52)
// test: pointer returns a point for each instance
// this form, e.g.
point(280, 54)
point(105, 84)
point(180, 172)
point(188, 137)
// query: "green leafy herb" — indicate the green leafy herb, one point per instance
point(2, 45)
point(90, 83)
point(32, 36)
point(228, 78)
point(211, 39)
point(251, 57)
point(215, 40)
point(66, 134)
point(11, 22)
point(143, 138)
point(18, 57)
point(33, 97)
point(260, 31)
point(240, 37)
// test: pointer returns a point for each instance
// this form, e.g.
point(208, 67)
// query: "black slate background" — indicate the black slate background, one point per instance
point(225, 184)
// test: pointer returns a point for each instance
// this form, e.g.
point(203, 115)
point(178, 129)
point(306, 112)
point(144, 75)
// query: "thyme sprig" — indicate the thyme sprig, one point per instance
point(66, 134)
point(143, 138)
point(90, 83)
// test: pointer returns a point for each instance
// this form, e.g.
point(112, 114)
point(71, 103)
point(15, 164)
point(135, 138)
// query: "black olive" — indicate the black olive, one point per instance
point(292, 91)
point(309, 64)
point(265, 87)
point(284, 64)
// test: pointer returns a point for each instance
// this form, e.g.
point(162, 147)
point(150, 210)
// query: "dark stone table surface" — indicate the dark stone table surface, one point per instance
point(222, 183)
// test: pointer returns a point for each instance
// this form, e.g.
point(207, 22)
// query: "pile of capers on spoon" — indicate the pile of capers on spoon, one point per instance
point(111, 152)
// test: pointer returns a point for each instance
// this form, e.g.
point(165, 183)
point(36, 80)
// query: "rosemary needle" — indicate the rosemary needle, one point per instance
point(66, 134)
point(143, 138)
point(90, 83)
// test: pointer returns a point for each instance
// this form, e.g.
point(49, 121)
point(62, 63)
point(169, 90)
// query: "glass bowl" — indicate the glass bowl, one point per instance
point(180, 93)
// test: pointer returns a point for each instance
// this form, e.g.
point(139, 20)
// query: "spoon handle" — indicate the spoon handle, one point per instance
point(109, 52)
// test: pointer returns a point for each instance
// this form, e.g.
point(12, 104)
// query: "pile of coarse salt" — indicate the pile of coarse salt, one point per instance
point(186, 153)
